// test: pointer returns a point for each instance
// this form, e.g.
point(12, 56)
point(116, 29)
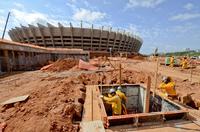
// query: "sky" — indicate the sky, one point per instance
point(169, 25)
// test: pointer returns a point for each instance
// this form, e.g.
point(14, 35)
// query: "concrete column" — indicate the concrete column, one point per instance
point(120, 43)
point(72, 32)
point(91, 33)
point(13, 60)
point(61, 33)
point(40, 27)
point(50, 28)
point(100, 38)
point(32, 31)
point(6, 65)
point(22, 60)
point(16, 60)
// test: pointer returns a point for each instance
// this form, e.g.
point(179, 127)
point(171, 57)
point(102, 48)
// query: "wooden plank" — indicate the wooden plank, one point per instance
point(96, 109)
point(92, 126)
point(146, 114)
point(148, 95)
point(15, 99)
point(87, 108)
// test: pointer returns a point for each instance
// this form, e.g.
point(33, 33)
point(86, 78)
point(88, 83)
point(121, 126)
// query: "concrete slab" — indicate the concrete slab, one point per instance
point(15, 99)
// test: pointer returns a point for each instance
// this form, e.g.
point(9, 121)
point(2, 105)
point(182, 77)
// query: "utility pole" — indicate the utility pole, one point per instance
point(5, 26)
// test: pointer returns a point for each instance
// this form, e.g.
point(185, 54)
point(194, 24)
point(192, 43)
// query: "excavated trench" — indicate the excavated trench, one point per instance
point(136, 103)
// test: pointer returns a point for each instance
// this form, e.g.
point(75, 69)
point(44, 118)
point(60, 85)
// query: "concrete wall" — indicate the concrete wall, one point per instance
point(74, 37)
point(16, 56)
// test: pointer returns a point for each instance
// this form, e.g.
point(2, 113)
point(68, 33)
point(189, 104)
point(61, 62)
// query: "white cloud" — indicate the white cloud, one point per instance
point(185, 28)
point(188, 6)
point(28, 17)
point(2, 21)
point(88, 15)
point(19, 5)
point(144, 3)
point(185, 16)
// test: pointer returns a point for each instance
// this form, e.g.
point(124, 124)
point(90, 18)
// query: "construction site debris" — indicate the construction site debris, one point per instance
point(86, 66)
point(15, 99)
point(60, 65)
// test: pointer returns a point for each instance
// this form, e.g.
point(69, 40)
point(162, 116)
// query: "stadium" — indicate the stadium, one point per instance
point(88, 39)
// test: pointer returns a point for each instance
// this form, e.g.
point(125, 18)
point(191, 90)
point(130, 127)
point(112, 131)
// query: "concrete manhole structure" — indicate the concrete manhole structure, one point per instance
point(144, 110)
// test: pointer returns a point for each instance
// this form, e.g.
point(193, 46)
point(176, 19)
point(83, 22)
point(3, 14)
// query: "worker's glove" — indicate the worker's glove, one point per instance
point(101, 96)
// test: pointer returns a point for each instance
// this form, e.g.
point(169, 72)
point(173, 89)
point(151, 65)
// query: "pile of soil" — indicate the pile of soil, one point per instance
point(138, 57)
point(52, 107)
point(128, 76)
point(60, 65)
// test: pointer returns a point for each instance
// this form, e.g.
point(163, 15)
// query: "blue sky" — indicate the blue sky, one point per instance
point(170, 25)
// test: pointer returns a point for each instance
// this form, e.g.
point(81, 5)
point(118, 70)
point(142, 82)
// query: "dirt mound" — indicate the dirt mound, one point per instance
point(128, 76)
point(52, 107)
point(60, 65)
point(138, 57)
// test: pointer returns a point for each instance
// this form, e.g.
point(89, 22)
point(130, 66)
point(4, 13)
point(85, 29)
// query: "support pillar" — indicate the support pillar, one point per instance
point(6, 65)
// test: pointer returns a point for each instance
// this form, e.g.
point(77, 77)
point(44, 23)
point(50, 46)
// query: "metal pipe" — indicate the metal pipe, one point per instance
point(5, 26)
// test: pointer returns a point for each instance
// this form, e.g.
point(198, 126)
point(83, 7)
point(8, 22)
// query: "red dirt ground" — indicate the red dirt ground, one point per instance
point(53, 105)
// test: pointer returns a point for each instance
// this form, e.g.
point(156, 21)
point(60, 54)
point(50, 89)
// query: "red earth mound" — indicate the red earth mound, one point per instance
point(60, 65)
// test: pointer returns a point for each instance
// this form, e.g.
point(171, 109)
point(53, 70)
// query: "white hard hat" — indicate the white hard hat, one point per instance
point(119, 88)
point(112, 90)
point(164, 78)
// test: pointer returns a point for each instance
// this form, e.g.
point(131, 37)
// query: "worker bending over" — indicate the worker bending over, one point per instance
point(172, 61)
point(123, 99)
point(114, 100)
point(168, 87)
point(184, 63)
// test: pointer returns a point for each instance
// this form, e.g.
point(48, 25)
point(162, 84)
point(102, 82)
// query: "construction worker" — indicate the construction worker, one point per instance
point(168, 87)
point(123, 99)
point(172, 61)
point(121, 95)
point(114, 100)
point(184, 63)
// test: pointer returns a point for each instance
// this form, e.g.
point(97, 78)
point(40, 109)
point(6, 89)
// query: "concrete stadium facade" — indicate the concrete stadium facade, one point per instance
point(90, 39)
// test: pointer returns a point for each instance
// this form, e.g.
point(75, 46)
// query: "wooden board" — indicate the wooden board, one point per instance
point(15, 99)
point(93, 106)
point(87, 108)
